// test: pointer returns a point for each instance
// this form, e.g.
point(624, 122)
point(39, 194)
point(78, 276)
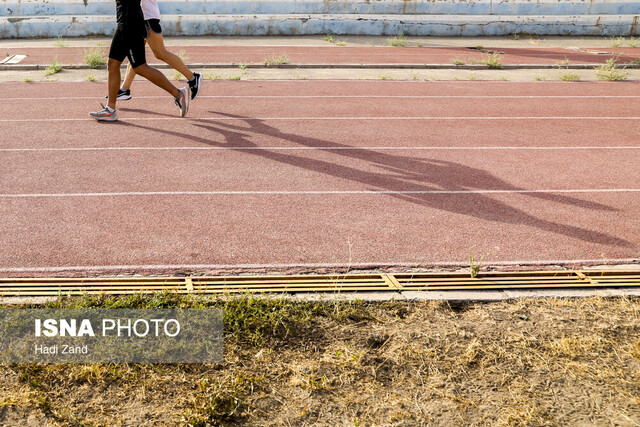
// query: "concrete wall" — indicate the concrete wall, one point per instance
point(69, 18)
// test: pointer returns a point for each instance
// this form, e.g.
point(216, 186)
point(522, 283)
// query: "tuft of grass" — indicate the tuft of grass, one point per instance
point(473, 77)
point(91, 77)
point(60, 42)
point(384, 77)
point(275, 59)
point(492, 61)
point(516, 36)
point(27, 80)
point(539, 78)
point(177, 75)
point(570, 77)
point(95, 58)
point(617, 42)
point(458, 61)
point(398, 41)
point(475, 263)
point(611, 72)
point(419, 44)
point(235, 77)
point(636, 62)
point(634, 42)
point(329, 38)
point(562, 64)
point(242, 67)
point(209, 76)
point(53, 68)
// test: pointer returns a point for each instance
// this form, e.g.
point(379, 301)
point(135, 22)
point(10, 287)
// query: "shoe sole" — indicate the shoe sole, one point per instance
point(111, 118)
point(121, 98)
point(185, 108)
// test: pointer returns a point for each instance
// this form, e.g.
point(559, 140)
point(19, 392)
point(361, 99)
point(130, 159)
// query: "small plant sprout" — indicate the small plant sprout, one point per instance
point(492, 61)
point(458, 61)
point(235, 77)
point(94, 58)
point(53, 68)
point(242, 67)
point(177, 76)
point(475, 264)
point(516, 36)
point(633, 42)
point(384, 76)
point(27, 80)
point(276, 60)
point(617, 42)
point(60, 42)
point(563, 64)
point(570, 77)
point(91, 77)
point(610, 72)
point(419, 44)
point(539, 78)
point(398, 41)
point(329, 38)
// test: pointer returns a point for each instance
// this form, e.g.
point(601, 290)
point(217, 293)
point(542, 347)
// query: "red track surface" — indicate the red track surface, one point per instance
point(319, 172)
point(349, 55)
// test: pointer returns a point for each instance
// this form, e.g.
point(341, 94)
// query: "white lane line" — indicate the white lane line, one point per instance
point(226, 119)
point(314, 148)
point(351, 96)
point(352, 266)
point(314, 193)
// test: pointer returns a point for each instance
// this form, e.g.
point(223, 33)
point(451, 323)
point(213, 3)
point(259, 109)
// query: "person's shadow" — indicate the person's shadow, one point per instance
point(396, 173)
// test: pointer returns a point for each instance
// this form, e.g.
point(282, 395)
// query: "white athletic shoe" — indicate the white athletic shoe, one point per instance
point(182, 101)
point(106, 114)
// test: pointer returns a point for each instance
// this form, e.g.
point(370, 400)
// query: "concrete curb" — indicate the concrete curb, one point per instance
point(384, 7)
point(354, 24)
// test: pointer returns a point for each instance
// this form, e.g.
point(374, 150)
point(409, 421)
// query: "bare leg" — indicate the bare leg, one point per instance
point(128, 78)
point(156, 77)
point(156, 43)
point(113, 81)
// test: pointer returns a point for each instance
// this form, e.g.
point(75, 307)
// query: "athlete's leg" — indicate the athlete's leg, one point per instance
point(156, 43)
point(128, 78)
point(157, 78)
point(113, 81)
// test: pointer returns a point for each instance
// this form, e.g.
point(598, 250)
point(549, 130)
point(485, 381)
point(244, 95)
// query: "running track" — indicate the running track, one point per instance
point(308, 173)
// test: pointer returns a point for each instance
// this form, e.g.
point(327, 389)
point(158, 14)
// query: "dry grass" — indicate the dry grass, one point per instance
point(524, 362)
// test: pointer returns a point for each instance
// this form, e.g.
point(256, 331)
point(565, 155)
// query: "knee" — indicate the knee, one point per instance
point(142, 70)
point(160, 54)
point(113, 65)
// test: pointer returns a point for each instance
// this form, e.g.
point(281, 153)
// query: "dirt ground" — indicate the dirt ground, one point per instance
point(521, 362)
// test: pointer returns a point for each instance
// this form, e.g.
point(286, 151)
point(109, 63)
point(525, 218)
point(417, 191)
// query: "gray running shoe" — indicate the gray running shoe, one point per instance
point(106, 114)
point(182, 101)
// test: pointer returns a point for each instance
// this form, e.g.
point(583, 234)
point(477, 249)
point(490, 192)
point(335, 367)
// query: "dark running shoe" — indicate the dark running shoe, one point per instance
point(123, 95)
point(194, 85)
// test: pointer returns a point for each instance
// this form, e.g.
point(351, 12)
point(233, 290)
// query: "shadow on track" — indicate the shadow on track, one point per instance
point(400, 173)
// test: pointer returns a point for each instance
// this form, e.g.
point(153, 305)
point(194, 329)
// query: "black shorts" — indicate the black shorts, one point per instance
point(130, 45)
point(153, 25)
